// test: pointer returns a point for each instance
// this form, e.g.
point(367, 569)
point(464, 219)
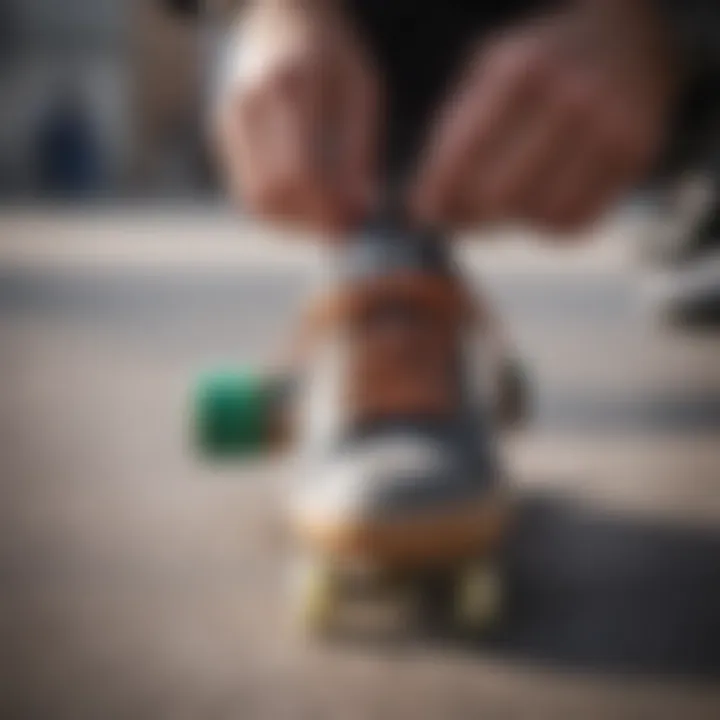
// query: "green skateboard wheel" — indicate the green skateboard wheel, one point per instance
point(232, 414)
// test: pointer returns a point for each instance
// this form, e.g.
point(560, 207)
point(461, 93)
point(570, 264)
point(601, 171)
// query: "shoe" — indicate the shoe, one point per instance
point(690, 295)
point(398, 473)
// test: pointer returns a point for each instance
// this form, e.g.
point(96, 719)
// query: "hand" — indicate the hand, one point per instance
point(553, 121)
point(297, 120)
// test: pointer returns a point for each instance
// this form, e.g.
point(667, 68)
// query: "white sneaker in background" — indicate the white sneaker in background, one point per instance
point(689, 295)
point(663, 224)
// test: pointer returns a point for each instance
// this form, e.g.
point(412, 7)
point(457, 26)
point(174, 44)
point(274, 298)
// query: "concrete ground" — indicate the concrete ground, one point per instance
point(139, 582)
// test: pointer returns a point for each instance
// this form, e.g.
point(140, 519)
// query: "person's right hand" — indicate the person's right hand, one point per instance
point(554, 120)
point(297, 117)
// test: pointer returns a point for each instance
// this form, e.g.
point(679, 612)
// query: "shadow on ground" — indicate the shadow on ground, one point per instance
point(603, 592)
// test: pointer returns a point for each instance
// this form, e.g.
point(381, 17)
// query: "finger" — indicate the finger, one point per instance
point(244, 143)
point(224, 146)
point(326, 188)
point(475, 128)
point(594, 171)
point(292, 176)
point(565, 183)
point(502, 183)
point(551, 137)
point(341, 134)
point(612, 174)
point(294, 185)
point(594, 200)
point(359, 140)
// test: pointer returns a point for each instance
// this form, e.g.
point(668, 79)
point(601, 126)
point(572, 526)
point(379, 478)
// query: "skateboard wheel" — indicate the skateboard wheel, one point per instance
point(479, 597)
point(232, 414)
point(316, 597)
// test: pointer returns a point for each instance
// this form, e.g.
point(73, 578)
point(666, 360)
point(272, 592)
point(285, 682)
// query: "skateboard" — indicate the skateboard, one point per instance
point(405, 505)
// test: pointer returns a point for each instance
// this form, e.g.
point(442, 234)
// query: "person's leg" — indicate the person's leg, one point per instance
point(419, 48)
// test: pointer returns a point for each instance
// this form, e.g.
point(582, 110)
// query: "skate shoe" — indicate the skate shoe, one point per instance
point(397, 472)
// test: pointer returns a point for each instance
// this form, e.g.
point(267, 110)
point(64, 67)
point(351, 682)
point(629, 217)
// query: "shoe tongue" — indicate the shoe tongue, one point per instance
point(403, 307)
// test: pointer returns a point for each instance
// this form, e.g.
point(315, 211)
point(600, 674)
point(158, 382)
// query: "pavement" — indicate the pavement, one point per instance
point(138, 581)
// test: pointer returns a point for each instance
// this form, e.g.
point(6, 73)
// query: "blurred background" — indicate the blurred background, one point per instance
point(103, 99)
point(138, 582)
point(107, 101)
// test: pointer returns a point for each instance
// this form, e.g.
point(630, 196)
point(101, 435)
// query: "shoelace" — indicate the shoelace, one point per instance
point(403, 334)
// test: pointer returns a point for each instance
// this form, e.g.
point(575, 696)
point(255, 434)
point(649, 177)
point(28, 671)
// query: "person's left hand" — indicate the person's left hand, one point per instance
point(552, 122)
